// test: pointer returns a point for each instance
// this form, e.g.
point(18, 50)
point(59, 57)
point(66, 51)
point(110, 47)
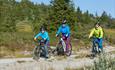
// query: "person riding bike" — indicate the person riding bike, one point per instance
point(65, 31)
point(97, 35)
point(44, 35)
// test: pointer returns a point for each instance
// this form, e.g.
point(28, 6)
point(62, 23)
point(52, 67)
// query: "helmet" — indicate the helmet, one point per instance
point(42, 28)
point(64, 21)
point(97, 23)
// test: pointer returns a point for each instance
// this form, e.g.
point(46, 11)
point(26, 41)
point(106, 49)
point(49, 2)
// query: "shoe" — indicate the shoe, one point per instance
point(99, 50)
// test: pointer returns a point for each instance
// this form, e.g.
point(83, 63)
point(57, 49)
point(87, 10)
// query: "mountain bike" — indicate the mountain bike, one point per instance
point(39, 50)
point(62, 49)
point(95, 49)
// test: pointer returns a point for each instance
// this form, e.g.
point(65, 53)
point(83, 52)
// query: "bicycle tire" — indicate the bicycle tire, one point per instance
point(69, 51)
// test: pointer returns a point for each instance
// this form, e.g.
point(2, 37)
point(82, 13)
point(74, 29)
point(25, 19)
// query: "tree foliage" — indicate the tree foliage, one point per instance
point(11, 12)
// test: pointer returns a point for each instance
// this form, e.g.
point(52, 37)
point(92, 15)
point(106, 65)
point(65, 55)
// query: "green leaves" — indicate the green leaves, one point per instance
point(62, 9)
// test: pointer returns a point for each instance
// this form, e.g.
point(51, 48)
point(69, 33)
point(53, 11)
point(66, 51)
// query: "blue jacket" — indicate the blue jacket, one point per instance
point(64, 30)
point(43, 35)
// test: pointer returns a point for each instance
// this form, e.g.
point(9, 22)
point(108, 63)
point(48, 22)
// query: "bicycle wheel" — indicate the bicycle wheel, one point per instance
point(60, 49)
point(94, 51)
point(49, 51)
point(36, 53)
point(69, 50)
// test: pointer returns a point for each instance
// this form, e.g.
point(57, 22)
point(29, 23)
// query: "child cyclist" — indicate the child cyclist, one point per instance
point(44, 35)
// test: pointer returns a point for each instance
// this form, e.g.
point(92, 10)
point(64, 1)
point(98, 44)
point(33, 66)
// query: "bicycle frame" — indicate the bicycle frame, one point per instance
point(62, 42)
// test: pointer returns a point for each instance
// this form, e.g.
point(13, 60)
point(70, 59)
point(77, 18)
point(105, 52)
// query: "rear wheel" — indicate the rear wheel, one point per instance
point(49, 51)
point(60, 49)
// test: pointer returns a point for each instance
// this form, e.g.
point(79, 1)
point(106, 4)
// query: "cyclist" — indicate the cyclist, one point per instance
point(65, 31)
point(97, 34)
point(44, 35)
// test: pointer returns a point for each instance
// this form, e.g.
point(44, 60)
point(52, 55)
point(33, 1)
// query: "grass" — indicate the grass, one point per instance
point(24, 26)
point(17, 53)
point(61, 57)
point(110, 35)
point(113, 52)
point(105, 62)
point(85, 68)
point(8, 38)
point(14, 41)
point(83, 54)
point(53, 39)
point(22, 55)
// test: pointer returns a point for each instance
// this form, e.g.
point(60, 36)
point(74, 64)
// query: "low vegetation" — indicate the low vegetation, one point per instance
point(104, 62)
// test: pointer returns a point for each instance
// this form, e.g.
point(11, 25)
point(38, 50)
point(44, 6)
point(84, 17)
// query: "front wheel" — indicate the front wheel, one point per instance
point(36, 53)
point(69, 50)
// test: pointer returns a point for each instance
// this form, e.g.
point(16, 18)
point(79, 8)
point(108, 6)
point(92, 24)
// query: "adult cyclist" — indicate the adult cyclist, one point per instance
point(64, 29)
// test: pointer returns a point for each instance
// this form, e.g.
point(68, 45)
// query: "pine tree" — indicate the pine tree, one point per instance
point(62, 9)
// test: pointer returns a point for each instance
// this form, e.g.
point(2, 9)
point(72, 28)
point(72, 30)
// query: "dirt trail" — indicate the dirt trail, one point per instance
point(59, 63)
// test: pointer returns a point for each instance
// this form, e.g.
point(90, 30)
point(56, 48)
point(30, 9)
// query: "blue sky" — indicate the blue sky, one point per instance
point(92, 6)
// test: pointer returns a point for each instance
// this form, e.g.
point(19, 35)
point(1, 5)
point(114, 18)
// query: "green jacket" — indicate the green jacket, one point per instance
point(98, 33)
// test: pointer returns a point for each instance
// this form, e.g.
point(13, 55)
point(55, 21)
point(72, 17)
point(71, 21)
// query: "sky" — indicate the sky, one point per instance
point(93, 6)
